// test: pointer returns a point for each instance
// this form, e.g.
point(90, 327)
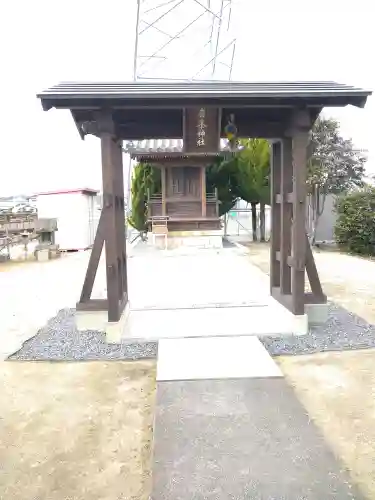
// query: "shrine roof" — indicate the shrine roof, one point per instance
point(67, 94)
point(147, 110)
point(160, 146)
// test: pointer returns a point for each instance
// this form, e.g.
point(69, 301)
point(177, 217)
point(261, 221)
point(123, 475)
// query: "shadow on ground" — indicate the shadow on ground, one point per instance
point(338, 391)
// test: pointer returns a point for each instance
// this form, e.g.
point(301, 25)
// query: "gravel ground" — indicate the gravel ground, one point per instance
point(342, 332)
point(60, 341)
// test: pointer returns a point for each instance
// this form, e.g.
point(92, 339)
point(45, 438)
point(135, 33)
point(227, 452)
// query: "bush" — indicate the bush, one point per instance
point(355, 225)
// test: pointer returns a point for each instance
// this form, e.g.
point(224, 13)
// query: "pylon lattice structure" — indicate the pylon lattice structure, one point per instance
point(184, 40)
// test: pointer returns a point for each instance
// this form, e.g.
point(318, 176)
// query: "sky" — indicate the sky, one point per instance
point(46, 41)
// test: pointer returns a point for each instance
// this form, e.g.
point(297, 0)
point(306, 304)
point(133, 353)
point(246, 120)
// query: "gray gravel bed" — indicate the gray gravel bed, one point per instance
point(343, 331)
point(59, 340)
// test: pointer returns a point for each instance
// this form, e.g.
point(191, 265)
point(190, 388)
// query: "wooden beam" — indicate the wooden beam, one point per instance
point(288, 198)
point(317, 295)
point(203, 191)
point(313, 276)
point(275, 213)
point(108, 147)
point(78, 125)
point(120, 220)
point(287, 300)
point(111, 231)
point(299, 153)
point(92, 305)
point(163, 190)
point(286, 216)
point(99, 305)
point(93, 264)
point(311, 298)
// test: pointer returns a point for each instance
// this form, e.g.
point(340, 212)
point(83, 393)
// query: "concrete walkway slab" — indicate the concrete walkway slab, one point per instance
point(214, 358)
point(241, 439)
point(202, 293)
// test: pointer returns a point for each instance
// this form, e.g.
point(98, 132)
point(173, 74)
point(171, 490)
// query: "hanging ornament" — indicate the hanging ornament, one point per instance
point(231, 133)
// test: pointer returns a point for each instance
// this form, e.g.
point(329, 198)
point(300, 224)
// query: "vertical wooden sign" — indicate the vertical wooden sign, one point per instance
point(201, 130)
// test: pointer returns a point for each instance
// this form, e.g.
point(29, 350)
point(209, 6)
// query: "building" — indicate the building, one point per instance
point(77, 215)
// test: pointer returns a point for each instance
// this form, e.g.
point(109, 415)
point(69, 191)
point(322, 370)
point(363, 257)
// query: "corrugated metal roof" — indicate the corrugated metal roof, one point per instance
point(130, 90)
point(163, 146)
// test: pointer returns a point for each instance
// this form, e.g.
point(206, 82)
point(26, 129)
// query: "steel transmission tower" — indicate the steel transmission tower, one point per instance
point(184, 40)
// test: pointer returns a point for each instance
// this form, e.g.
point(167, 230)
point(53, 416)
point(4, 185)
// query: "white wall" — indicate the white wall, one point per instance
point(76, 218)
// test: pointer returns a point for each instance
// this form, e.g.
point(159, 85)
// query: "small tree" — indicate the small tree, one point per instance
point(253, 171)
point(355, 225)
point(146, 181)
point(335, 166)
point(221, 175)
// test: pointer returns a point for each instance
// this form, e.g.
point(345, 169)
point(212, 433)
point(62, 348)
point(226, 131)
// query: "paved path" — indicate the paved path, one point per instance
point(214, 358)
point(241, 439)
point(172, 295)
point(175, 294)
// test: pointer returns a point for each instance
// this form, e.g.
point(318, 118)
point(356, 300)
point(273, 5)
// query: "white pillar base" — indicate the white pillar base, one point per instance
point(317, 313)
point(98, 321)
point(301, 324)
point(42, 255)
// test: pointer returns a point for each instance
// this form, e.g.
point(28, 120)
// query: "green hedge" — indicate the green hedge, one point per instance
point(355, 225)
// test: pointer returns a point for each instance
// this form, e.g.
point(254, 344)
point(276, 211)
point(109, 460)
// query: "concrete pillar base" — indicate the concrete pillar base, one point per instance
point(301, 323)
point(98, 321)
point(42, 255)
point(188, 239)
point(317, 313)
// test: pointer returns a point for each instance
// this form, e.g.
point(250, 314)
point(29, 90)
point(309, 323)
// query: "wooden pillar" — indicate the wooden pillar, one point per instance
point(276, 151)
point(110, 225)
point(163, 191)
point(121, 232)
point(114, 218)
point(203, 191)
point(111, 230)
point(286, 216)
point(299, 154)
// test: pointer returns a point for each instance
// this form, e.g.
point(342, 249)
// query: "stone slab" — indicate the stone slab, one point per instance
point(241, 439)
point(214, 358)
point(260, 320)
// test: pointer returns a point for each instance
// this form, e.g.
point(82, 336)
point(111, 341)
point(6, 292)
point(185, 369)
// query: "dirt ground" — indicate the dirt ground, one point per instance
point(347, 280)
point(18, 257)
point(76, 430)
point(338, 391)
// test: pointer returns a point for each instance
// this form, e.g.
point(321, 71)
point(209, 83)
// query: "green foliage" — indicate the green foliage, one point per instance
point(244, 175)
point(335, 166)
point(221, 175)
point(253, 170)
point(146, 181)
point(355, 225)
